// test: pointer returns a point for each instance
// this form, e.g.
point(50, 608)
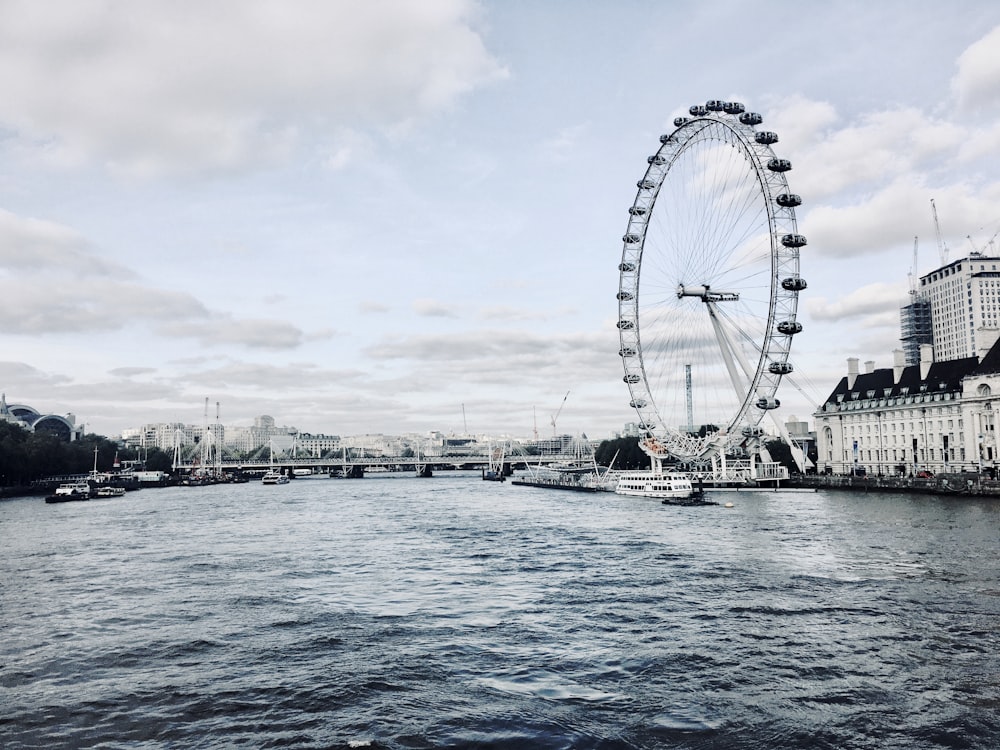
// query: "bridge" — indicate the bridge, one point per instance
point(359, 465)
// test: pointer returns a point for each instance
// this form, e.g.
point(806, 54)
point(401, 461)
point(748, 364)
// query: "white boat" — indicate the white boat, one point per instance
point(659, 485)
point(274, 477)
point(109, 491)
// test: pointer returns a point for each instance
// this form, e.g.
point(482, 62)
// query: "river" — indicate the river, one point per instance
point(448, 612)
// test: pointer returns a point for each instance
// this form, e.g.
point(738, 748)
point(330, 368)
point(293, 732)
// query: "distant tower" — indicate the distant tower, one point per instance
point(687, 392)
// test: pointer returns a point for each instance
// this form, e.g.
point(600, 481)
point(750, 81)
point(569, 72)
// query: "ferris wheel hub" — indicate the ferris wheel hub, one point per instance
point(706, 294)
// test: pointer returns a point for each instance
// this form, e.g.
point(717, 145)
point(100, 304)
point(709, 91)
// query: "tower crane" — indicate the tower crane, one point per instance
point(942, 248)
point(913, 270)
point(558, 412)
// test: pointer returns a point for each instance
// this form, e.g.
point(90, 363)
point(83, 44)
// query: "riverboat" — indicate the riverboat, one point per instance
point(659, 485)
point(70, 492)
point(274, 477)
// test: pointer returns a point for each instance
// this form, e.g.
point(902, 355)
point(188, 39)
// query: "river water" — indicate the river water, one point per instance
point(447, 612)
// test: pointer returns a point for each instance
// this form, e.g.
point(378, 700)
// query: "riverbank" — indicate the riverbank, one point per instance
point(942, 484)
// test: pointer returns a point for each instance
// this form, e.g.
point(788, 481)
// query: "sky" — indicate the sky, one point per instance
point(401, 217)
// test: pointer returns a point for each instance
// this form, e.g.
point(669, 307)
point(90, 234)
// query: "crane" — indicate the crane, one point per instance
point(913, 270)
point(558, 412)
point(942, 248)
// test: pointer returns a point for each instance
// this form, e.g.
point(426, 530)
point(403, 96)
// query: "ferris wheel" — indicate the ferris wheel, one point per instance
point(709, 283)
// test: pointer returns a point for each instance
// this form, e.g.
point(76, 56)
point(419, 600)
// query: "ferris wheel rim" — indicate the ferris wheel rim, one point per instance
point(726, 122)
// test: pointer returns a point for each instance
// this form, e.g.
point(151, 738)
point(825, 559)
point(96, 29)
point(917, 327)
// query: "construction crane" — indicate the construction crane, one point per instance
point(942, 248)
point(558, 412)
point(913, 271)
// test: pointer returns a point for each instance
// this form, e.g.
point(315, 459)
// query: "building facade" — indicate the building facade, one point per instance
point(932, 417)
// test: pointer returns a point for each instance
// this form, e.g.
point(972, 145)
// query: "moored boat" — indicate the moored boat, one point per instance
point(668, 485)
point(70, 492)
point(109, 491)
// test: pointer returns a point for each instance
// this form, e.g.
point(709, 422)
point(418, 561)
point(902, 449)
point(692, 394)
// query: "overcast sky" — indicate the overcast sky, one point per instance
point(369, 216)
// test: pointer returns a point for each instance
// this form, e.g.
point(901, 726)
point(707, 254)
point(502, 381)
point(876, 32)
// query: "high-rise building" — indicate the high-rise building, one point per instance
point(964, 298)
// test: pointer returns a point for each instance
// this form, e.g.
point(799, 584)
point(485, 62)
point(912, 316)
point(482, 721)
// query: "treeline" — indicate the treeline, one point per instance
point(629, 454)
point(27, 456)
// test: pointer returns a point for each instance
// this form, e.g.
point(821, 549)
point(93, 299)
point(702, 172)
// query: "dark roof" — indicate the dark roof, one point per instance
point(949, 373)
point(991, 362)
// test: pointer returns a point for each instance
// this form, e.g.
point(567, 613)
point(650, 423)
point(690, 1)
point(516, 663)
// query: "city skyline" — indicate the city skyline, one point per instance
point(408, 217)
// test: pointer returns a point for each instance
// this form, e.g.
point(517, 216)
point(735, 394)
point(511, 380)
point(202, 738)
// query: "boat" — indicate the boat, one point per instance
point(109, 491)
point(661, 485)
point(274, 477)
point(579, 475)
point(70, 492)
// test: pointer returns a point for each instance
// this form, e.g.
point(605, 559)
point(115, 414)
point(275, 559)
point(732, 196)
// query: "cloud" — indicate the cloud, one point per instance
point(253, 333)
point(275, 378)
point(67, 306)
point(872, 300)
point(20, 374)
point(34, 245)
point(429, 308)
point(976, 85)
point(160, 87)
point(878, 147)
point(128, 372)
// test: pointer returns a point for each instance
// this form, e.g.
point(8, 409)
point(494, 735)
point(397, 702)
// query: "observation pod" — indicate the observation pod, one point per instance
point(766, 137)
point(645, 184)
point(678, 121)
point(631, 239)
point(793, 240)
point(789, 327)
point(751, 118)
point(779, 165)
point(768, 403)
point(752, 431)
point(625, 296)
point(626, 325)
point(715, 105)
point(793, 284)
point(788, 200)
point(779, 368)
point(698, 110)
point(656, 159)
point(626, 267)
point(632, 378)
point(734, 108)
point(637, 404)
point(626, 351)
point(638, 211)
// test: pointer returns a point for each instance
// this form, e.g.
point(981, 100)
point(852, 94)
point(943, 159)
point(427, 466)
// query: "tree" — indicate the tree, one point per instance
point(630, 455)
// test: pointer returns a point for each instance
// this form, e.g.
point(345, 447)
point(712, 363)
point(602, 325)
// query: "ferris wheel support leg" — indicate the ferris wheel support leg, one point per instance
point(725, 344)
point(727, 350)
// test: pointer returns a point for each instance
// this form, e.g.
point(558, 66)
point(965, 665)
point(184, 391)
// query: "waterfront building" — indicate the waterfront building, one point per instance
point(936, 416)
point(29, 418)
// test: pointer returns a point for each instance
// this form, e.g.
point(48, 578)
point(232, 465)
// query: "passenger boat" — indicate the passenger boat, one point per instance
point(274, 477)
point(69, 492)
point(660, 485)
